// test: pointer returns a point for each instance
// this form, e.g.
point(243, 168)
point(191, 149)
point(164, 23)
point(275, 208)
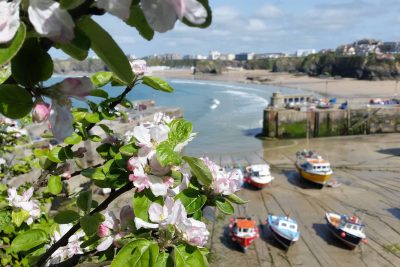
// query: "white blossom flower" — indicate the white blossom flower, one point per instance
point(51, 21)
point(225, 183)
point(9, 19)
point(119, 8)
point(72, 248)
point(112, 229)
point(194, 232)
point(162, 14)
point(25, 203)
point(139, 66)
point(61, 121)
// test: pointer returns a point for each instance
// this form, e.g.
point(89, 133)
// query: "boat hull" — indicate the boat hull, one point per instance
point(312, 177)
point(348, 239)
point(243, 242)
point(257, 185)
point(285, 242)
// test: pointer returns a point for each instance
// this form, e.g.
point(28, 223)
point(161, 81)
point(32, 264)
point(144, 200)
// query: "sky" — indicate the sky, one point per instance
point(268, 26)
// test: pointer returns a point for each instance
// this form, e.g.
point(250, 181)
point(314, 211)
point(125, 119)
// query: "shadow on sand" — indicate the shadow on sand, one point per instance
point(266, 236)
point(395, 212)
point(390, 151)
point(226, 240)
point(294, 179)
point(322, 231)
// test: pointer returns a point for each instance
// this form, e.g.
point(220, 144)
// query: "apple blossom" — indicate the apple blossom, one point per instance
point(61, 121)
point(225, 183)
point(194, 232)
point(51, 21)
point(40, 112)
point(139, 66)
point(119, 8)
point(72, 248)
point(25, 203)
point(162, 14)
point(112, 229)
point(75, 87)
point(9, 19)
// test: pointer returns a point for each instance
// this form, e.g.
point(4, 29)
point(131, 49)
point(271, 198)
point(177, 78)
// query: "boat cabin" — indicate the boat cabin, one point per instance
point(258, 170)
point(287, 225)
point(317, 165)
point(244, 227)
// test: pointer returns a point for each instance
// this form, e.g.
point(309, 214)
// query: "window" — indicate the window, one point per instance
point(283, 224)
point(292, 226)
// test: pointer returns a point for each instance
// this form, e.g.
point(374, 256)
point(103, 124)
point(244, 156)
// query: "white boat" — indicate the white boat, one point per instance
point(258, 175)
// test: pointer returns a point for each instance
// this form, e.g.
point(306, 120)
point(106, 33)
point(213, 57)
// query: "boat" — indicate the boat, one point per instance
point(284, 229)
point(258, 175)
point(349, 230)
point(312, 167)
point(243, 231)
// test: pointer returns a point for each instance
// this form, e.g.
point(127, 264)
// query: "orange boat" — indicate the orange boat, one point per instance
point(243, 231)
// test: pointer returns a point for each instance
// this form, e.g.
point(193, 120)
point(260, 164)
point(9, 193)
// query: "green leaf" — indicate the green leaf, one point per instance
point(5, 73)
point(138, 253)
point(54, 185)
point(5, 219)
point(99, 93)
point(92, 117)
point(15, 101)
point(10, 49)
point(106, 48)
point(180, 130)
point(73, 139)
point(29, 240)
point(208, 20)
point(192, 199)
point(94, 173)
point(164, 260)
point(142, 201)
point(188, 256)
point(95, 138)
point(157, 84)
point(235, 199)
point(138, 20)
point(60, 154)
point(32, 64)
point(79, 47)
point(128, 150)
point(166, 155)
point(66, 216)
point(18, 217)
point(199, 169)
point(71, 4)
point(90, 223)
point(104, 150)
point(84, 201)
point(224, 206)
point(106, 129)
point(99, 79)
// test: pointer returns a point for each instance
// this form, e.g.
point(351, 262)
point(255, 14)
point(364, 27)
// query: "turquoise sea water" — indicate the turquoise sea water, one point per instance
point(226, 116)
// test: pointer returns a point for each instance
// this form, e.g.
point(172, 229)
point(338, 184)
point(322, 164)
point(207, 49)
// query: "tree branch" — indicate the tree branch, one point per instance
point(63, 241)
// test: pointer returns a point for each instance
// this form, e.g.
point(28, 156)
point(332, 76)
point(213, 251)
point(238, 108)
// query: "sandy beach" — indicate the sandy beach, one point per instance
point(343, 88)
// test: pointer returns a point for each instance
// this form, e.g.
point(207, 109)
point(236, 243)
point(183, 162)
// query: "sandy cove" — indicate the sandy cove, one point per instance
point(343, 88)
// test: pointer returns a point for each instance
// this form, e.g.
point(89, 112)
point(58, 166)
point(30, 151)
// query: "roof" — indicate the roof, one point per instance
point(246, 223)
point(317, 161)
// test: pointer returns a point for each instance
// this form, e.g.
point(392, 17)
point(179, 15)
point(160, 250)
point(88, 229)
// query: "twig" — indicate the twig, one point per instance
point(63, 241)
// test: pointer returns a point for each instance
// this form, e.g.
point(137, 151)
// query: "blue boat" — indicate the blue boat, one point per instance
point(284, 229)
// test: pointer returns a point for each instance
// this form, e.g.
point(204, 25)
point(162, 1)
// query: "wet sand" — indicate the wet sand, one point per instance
point(368, 168)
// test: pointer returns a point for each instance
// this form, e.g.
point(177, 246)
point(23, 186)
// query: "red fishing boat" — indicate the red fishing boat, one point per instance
point(243, 231)
point(258, 175)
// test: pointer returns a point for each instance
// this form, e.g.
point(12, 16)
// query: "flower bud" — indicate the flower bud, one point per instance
point(40, 112)
point(139, 67)
point(103, 230)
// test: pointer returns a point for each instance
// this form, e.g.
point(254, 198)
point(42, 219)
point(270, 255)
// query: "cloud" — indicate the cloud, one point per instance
point(269, 11)
point(256, 25)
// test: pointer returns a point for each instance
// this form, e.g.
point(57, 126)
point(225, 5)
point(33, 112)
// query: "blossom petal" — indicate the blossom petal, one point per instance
point(143, 224)
point(61, 121)
point(193, 11)
point(51, 21)
point(9, 20)
point(159, 133)
point(160, 15)
point(119, 8)
point(156, 213)
point(105, 244)
point(142, 134)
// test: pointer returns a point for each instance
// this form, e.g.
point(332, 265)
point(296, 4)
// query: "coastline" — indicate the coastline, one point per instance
point(342, 88)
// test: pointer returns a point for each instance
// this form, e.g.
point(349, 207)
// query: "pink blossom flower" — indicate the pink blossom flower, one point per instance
point(72, 248)
point(9, 20)
point(119, 8)
point(112, 229)
point(225, 183)
point(139, 66)
point(51, 21)
point(194, 232)
point(61, 121)
point(40, 112)
point(162, 14)
point(75, 87)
